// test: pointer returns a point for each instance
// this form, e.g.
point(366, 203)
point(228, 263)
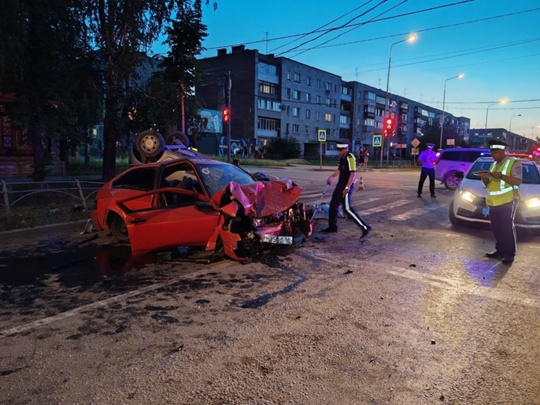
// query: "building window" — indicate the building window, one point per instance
point(296, 77)
point(268, 88)
point(308, 97)
point(296, 94)
point(288, 75)
point(267, 124)
point(307, 128)
point(318, 83)
point(328, 102)
point(319, 100)
point(268, 105)
point(295, 111)
point(288, 93)
point(317, 115)
point(328, 117)
point(267, 69)
point(308, 80)
point(343, 119)
point(308, 114)
point(296, 128)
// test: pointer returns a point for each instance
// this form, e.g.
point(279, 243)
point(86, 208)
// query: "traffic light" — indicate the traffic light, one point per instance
point(226, 114)
point(388, 125)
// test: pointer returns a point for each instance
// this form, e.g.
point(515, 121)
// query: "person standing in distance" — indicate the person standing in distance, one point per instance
point(502, 182)
point(343, 192)
point(427, 159)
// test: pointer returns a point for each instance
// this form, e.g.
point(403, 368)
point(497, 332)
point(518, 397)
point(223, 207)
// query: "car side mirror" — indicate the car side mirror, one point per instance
point(459, 175)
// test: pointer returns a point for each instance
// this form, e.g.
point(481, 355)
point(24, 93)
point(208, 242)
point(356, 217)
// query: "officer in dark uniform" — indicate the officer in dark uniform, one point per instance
point(343, 191)
point(502, 181)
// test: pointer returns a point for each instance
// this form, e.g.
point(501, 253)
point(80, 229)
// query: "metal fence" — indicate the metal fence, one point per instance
point(16, 191)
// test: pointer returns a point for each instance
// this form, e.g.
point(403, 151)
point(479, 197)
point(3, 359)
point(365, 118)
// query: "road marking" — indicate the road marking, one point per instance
point(385, 207)
point(499, 294)
point(477, 290)
point(98, 304)
point(414, 213)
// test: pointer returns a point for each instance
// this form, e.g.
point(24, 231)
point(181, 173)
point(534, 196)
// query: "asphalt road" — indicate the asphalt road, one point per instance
point(412, 314)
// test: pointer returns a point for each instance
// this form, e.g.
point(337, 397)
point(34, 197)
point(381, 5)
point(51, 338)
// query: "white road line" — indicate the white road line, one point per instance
point(414, 213)
point(499, 294)
point(385, 207)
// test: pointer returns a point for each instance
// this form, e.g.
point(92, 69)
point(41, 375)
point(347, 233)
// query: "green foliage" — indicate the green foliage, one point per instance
point(283, 148)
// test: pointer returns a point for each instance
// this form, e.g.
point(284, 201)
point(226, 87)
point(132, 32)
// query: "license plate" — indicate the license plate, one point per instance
point(278, 240)
point(485, 211)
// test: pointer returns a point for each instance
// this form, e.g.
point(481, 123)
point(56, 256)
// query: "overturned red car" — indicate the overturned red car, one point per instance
point(198, 201)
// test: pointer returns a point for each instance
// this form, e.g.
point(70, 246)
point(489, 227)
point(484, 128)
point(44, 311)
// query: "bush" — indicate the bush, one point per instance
point(280, 148)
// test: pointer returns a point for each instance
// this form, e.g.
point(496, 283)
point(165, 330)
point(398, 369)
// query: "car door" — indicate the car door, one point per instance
point(159, 226)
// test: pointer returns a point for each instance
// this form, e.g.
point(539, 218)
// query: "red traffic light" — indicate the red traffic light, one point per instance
point(226, 114)
point(389, 124)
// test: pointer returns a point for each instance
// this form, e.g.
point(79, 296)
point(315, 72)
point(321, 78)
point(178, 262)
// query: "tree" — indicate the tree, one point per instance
point(123, 29)
point(38, 48)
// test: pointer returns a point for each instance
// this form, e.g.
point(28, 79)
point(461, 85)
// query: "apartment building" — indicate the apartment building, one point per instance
point(273, 97)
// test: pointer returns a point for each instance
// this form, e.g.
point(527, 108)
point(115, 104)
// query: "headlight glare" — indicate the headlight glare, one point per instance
point(533, 203)
point(468, 196)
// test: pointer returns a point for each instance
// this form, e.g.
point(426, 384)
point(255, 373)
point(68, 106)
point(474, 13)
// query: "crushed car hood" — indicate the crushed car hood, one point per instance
point(262, 198)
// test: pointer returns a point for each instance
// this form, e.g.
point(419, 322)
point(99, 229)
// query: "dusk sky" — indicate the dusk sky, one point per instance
point(494, 43)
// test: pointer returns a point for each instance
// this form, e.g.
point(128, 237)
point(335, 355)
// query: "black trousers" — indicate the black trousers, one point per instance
point(350, 212)
point(502, 226)
point(427, 173)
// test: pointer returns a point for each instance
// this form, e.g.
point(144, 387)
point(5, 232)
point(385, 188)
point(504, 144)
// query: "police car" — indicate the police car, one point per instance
point(469, 203)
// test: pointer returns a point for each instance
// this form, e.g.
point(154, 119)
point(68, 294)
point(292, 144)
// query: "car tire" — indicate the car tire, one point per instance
point(451, 216)
point(119, 228)
point(451, 182)
point(171, 136)
point(150, 143)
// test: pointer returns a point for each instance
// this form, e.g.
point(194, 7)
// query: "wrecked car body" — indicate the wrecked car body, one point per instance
point(200, 202)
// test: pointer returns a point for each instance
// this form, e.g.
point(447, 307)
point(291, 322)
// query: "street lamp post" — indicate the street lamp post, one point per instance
point(510, 125)
point(410, 38)
point(485, 126)
point(460, 76)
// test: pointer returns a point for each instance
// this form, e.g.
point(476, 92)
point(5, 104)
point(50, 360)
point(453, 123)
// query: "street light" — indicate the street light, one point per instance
point(411, 38)
point(503, 101)
point(510, 126)
point(460, 76)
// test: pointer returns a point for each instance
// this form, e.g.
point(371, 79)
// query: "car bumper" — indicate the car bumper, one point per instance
point(527, 218)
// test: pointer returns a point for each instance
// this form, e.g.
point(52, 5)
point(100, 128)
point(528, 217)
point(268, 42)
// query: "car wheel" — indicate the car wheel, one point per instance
point(119, 228)
point(150, 143)
point(174, 136)
point(452, 216)
point(451, 181)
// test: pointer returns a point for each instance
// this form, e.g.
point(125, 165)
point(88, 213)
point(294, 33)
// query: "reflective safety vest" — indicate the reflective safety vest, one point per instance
point(499, 192)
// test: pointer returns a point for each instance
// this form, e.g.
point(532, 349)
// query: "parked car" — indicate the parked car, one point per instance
point(469, 203)
point(198, 201)
point(456, 161)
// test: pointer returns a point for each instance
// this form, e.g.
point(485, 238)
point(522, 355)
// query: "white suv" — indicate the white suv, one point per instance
point(450, 161)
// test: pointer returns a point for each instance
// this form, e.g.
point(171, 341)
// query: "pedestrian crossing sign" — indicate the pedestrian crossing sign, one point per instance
point(322, 135)
point(377, 141)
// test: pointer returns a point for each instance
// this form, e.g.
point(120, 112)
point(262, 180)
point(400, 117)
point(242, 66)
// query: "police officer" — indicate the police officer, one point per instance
point(502, 182)
point(343, 191)
point(427, 158)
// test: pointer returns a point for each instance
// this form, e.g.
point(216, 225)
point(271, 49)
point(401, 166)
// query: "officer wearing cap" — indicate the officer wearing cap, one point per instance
point(427, 159)
point(502, 182)
point(343, 191)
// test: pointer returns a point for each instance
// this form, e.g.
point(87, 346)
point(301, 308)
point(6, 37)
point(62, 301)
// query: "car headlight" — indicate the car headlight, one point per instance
point(533, 203)
point(468, 196)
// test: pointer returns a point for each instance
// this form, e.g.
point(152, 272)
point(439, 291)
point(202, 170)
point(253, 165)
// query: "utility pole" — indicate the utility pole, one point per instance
point(227, 124)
